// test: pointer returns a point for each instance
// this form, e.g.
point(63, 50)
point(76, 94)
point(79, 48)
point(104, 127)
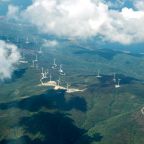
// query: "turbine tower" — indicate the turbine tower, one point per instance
point(54, 66)
point(114, 77)
point(98, 74)
point(118, 83)
point(61, 72)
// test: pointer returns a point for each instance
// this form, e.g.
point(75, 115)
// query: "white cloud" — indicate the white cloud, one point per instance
point(9, 57)
point(67, 17)
point(124, 27)
point(86, 18)
point(13, 12)
point(50, 43)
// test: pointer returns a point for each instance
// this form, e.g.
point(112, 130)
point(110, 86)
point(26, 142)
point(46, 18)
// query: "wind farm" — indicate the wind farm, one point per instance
point(47, 76)
point(65, 87)
point(49, 82)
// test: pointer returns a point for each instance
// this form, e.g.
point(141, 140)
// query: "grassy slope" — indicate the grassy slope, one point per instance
point(114, 114)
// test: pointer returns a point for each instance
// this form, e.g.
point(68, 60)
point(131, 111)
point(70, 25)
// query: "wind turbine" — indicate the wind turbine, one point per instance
point(23, 56)
point(54, 66)
point(50, 77)
point(27, 40)
point(118, 84)
point(22, 60)
point(45, 74)
point(40, 51)
point(42, 71)
point(58, 82)
point(98, 75)
point(36, 58)
point(41, 80)
point(33, 64)
point(67, 87)
point(61, 70)
point(114, 77)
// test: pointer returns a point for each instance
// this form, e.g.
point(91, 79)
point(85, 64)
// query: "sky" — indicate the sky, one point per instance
point(113, 21)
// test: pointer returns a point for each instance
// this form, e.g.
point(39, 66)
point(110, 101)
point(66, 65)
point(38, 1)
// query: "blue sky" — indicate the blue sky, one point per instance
point(21, 3)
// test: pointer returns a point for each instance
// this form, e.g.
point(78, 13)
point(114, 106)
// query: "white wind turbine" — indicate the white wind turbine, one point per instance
point(118, 83)
point(98, 74)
